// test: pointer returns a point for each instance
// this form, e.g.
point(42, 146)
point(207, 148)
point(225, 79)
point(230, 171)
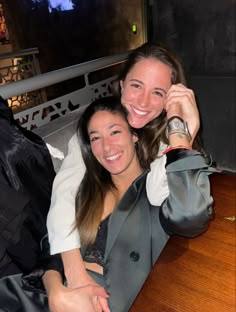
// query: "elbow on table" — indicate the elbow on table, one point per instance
point(188, 223)
point(197, 223)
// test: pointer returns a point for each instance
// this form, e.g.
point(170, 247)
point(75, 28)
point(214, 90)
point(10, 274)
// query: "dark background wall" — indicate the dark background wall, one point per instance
point(95, 28)
point(203, 34)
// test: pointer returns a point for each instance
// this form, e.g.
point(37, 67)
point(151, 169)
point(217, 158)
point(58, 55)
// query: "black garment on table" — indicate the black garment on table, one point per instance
point(26, 176)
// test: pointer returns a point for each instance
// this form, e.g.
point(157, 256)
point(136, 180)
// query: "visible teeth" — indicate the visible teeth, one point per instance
point(113, 157)
point(138, 112)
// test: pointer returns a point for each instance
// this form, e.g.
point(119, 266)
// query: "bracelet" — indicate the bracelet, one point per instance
point(178, 131)
point(174, 117)
point(171, 148)
point(179, 126)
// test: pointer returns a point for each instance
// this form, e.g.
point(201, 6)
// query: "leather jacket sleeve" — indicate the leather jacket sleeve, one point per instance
point(188, 208)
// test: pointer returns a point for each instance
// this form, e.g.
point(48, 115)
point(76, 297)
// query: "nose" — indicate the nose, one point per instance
point(144, 100)
point(106, 144)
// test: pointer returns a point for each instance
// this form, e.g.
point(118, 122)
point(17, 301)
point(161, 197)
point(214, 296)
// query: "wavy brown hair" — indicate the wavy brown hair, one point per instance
point(152, 134)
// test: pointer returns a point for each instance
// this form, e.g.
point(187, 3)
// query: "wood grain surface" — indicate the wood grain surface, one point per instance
point(197, 275)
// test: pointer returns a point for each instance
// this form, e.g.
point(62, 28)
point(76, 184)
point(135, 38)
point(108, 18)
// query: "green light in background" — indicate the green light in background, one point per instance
point(134, 28)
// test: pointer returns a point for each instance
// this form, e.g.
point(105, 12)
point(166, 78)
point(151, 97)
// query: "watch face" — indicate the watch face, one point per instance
point(176, 125)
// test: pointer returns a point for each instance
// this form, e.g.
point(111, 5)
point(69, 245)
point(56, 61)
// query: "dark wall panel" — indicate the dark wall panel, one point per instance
point(216, 100)
point(203, 34)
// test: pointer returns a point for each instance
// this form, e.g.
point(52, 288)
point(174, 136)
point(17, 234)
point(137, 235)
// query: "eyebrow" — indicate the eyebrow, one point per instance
point(110, 127)
point(139, 81)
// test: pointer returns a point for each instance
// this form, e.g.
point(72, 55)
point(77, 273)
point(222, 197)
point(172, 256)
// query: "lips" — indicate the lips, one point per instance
point(113, 157)
point(139, 112)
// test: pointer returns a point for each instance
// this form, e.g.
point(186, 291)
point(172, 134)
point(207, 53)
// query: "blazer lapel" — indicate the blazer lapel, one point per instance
point(121, 212)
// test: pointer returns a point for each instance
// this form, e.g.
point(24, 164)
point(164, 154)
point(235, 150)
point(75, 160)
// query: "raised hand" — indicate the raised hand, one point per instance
point(180, 101)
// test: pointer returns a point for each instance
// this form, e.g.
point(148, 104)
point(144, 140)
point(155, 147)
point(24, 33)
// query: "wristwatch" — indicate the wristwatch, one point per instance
point(176, 124)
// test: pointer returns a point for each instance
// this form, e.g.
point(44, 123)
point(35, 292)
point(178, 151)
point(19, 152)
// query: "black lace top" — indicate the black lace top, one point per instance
point(95, 253)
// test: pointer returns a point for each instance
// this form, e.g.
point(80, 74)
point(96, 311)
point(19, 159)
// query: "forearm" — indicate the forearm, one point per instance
point(57, 292)
point(75, 271)
point(179, 139)
point(52, 281)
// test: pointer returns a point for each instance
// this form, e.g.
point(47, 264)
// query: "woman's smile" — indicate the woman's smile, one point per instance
point(113, 157)
point(138, 111)
point(112, 143)
point(144, 91)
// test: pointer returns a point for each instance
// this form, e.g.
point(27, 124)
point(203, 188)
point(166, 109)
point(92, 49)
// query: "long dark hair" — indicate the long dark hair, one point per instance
point(97, 180)
point(152, 134)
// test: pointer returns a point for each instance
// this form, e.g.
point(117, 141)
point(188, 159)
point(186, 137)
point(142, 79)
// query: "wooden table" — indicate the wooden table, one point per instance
point(197, 275)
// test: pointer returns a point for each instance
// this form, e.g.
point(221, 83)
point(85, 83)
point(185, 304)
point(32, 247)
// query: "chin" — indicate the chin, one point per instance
point(137, 124)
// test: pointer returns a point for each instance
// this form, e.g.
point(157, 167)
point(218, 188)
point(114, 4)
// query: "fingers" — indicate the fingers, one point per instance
point(99, 298)
point(179, 94)
point(100, 304)
point(179, 87)
point(104, 304)
point(96, 290)
point(96, 304)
